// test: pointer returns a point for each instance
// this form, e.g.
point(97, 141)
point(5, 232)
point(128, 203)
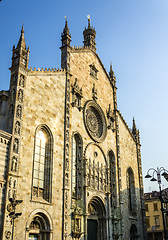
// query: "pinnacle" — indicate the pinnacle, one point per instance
point(66, 29)
point(134, 129)
point(21, 42)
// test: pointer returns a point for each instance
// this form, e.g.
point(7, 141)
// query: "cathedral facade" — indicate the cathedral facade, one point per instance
point(70, 165)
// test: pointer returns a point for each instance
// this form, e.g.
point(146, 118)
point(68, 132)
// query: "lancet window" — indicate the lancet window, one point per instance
point(42, 173)
point(131, 191)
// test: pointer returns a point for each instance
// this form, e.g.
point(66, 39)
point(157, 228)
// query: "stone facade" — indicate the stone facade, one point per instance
point(73, 162)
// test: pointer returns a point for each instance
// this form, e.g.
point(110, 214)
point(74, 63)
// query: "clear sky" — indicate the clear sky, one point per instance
point(133, 34)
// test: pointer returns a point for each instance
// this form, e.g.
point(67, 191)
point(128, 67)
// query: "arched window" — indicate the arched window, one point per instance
point(39, 226)
point(133, 232)
point(113, 187)
point(76, 166)
point(42, 172)
point(131, 191)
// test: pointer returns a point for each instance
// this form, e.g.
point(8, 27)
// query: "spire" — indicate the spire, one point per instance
point(66, 29)
point(66, 36)
point(21, 42)
point(89, 36)
point(20, 54)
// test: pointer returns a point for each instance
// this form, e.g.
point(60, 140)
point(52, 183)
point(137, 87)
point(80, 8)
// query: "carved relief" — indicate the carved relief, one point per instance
point(19, 112)
point(93, 70)
point(20, 95)
point(22, 81)
point(7, 234)
point(14, 164)
point(110, 116)
point(76, 95)
point(94, 92)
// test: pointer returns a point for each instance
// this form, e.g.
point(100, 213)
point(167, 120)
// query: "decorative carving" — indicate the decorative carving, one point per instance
point(19, 112)
point(93, 70)
point(66, 164)
point(34, 225)
point(17, 128)
point(76, 95)
point(66, 179)
point(95, 121)
point(14, 164)
point(10, 182)
point(22, 81)
point(16, 145)
point(94, 92)
point(7, 234)
point(111, 117)
point(20, 95)
point(92, 210)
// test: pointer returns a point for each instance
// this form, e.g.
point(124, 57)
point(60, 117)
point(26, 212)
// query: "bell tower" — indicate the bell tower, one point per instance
point(89, 35)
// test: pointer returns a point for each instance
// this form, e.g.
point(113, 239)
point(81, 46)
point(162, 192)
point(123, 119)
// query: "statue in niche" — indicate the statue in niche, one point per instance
point(21, 81)
point(66, 179)
point(67, 150)
point(14, 184)
point(16, 145)
point(66, 164)
point(94, 92)
point(20, 95)
point(14, 164)
point(19, 111)
point(9, 194)
point(67, 122)
point(17, 128)
point(10, 182)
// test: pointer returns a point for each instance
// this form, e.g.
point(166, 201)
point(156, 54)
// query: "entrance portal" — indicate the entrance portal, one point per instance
point(92, 229)
point(96, 222)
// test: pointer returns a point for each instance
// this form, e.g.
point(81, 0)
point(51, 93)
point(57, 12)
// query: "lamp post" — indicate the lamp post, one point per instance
point(12, 209)
point(159, 172)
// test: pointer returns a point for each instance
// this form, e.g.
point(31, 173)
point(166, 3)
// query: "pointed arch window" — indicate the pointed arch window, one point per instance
point(131, 191)
point(76, 166)
point(42, 172)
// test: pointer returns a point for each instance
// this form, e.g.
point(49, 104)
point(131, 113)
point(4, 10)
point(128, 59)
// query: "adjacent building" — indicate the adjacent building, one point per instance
point(154, 219)
point(68, 153)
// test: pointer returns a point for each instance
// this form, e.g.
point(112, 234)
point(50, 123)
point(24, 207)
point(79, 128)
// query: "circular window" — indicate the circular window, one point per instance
point(95, 121)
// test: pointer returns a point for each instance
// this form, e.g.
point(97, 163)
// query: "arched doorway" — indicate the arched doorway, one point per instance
point(96, 222)
point(133, 232)
point(39, 227)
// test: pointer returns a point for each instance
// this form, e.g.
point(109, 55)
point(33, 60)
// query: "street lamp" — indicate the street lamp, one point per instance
point(159, 172)
point(12, 209)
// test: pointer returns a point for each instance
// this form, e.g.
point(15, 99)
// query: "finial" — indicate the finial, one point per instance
point(66, 29)
point(22, 31)
point(88, 16)
point(21, 42)
point(111, 69)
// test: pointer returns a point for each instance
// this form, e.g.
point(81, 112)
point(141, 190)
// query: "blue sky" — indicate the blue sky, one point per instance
point(132, 34)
